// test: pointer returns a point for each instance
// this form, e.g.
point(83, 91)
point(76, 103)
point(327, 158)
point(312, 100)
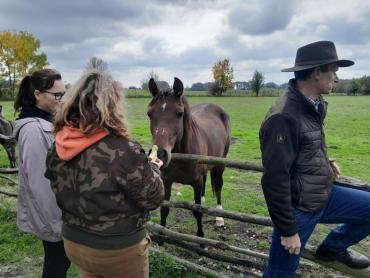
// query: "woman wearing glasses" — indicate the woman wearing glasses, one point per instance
point(38, 213)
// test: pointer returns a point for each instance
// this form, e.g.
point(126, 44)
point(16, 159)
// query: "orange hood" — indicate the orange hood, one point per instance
point(70, 141)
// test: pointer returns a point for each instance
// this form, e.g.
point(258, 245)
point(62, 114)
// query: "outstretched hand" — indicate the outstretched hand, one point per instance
point(292, 244)
point(153, 157)
point(157, 161)
point(335, 167)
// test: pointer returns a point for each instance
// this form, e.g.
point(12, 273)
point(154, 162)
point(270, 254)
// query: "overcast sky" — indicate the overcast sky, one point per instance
point(186, 38)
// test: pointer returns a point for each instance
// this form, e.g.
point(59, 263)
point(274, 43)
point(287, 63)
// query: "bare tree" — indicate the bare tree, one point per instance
point(257, 82)
point(97, 63)
point(144, 82)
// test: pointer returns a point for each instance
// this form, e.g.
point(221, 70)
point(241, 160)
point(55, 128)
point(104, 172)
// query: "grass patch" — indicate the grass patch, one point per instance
point(15, 244)
point(347, 135)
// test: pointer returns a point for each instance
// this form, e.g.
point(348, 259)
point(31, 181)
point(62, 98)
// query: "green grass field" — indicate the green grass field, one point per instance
point(347, 132)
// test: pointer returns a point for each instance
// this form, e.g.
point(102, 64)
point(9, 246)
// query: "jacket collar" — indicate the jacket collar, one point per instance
point(294, 94)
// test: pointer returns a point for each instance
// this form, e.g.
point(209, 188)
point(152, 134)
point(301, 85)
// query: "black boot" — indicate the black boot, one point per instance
point(347, 257)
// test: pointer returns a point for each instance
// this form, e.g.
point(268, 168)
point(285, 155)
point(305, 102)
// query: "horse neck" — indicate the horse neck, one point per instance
point(190, 129)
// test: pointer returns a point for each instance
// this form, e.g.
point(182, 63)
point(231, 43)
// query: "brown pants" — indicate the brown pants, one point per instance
point(97, 263)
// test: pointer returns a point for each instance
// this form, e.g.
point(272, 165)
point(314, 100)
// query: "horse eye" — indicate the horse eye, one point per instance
point(149, 114)
point(180, 114)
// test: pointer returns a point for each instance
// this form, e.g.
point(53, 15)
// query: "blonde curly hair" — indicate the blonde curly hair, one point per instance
point(94, 102)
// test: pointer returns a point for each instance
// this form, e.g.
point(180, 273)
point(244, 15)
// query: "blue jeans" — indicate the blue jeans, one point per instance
point(345, 205)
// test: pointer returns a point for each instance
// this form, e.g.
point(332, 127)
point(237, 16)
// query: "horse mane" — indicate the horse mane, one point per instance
point(190, 126)
point(161, 94)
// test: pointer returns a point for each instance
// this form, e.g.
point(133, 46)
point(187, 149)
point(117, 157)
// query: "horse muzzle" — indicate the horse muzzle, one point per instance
point(165, 156)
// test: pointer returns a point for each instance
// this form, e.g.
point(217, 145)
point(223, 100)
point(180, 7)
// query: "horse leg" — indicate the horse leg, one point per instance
point(217, 182)
point(197, 199)
point(165, 210)
point(204, 188)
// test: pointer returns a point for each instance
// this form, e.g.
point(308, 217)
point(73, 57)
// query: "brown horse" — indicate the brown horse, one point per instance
point(7, 139)
point(203, 129)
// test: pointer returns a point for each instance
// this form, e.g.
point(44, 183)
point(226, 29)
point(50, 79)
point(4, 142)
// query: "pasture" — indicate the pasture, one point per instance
point(347, 129)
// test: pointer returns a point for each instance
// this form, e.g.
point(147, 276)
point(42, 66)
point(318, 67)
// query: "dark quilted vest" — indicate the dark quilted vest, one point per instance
point(311, 174)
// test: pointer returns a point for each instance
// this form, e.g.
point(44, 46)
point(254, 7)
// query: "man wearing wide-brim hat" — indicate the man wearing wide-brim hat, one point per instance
point(299, 178)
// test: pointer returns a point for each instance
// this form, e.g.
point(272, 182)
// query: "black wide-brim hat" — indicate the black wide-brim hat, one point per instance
point(315, 55)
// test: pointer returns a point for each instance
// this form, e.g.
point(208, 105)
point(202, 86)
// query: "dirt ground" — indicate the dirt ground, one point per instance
point(28, 268)
point(244, 235)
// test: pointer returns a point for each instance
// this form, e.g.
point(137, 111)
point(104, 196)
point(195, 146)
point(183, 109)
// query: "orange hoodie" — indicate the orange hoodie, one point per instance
point(70, 141)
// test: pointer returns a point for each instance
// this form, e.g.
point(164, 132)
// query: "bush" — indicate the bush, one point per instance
point(215, 89)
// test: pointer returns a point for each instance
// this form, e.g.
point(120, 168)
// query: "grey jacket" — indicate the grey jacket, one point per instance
point(37, 211)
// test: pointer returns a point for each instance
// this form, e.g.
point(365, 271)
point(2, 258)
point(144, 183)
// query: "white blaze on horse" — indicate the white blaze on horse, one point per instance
point(203, 129)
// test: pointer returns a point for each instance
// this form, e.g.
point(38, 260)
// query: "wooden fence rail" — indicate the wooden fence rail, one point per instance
point(242, 217)
point(162, 234)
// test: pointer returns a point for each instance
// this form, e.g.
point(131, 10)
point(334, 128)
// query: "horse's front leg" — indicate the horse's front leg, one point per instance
point(217, 182)
point(165, 210)
point(198, 187)
point(167, 195)
point(204, 189)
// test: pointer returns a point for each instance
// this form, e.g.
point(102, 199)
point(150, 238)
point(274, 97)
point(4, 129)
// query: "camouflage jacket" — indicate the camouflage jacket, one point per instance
point(105, 192)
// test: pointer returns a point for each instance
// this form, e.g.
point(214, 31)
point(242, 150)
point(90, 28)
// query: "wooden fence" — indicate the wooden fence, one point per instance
point(250, 258)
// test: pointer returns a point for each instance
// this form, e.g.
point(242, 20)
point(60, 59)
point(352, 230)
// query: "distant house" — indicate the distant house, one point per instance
point(271, 85)
point(197, 86)
point(241, 85)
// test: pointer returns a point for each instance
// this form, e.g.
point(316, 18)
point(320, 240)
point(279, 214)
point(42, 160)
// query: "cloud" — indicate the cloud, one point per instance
point(185, 38)
point(261, 17)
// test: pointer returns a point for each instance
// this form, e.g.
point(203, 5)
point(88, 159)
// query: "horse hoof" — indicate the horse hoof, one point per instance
point(220, 222)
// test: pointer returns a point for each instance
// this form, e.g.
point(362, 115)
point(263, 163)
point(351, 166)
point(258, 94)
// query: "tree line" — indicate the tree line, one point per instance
point(223, 81)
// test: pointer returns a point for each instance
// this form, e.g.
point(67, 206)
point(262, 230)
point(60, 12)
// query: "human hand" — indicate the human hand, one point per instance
point(153, 153)
point(157, 161)
point(292, 244)
point(335, 167)
point(154, 158)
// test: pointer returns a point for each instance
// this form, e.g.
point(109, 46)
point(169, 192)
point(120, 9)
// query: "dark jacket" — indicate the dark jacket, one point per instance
point(105, 192)
point(297, 173)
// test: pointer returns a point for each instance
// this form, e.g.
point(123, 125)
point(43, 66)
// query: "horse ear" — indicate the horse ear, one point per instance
point(153, 89)
point(178, 87)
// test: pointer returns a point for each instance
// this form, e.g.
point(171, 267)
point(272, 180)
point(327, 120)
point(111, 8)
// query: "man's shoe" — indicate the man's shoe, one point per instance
point(347, 257)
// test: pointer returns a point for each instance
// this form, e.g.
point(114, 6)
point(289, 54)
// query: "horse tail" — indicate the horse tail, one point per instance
point(226, 122)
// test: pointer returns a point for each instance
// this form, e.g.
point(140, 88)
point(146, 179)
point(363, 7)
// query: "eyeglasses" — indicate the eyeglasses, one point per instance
point(57, 95)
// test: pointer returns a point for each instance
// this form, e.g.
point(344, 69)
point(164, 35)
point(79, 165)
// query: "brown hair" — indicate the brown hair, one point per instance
point(306, 74)
point(40, 80)
point(95, 102)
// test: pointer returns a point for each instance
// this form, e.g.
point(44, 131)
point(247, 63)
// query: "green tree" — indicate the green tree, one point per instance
point(365, 85)
point(223, 73)
point(257, 82)
point(354, 87)
point(18, 56)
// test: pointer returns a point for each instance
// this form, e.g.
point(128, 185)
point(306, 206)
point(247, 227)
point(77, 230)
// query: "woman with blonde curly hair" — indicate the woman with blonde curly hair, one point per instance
point(103, 181)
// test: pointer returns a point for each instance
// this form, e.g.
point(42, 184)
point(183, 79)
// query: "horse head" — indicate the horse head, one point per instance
point(9, 143)
point(7, 139)
point(167, 112)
